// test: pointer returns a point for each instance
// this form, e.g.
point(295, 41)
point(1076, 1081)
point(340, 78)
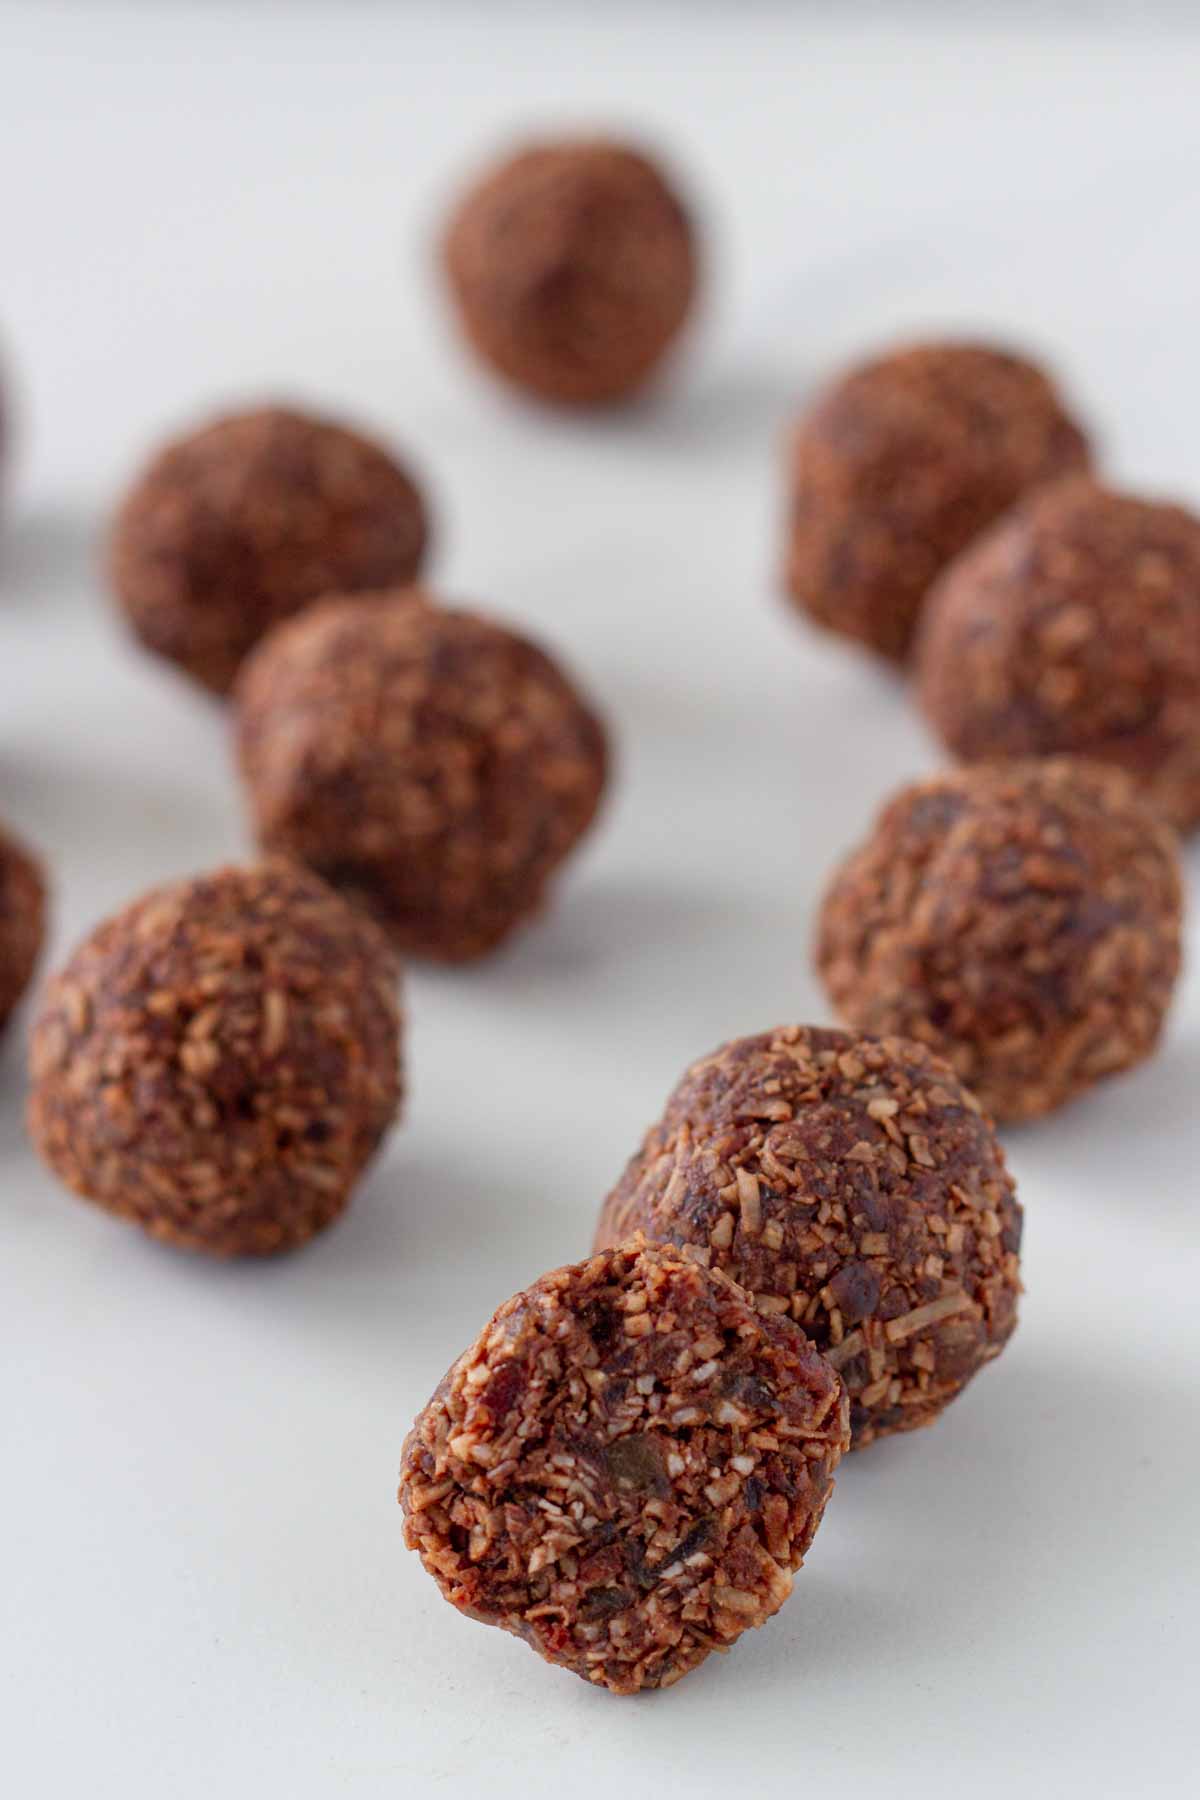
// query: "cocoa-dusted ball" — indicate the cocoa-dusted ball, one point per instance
point(22, 920)
point(247, 521)
point(899, 465)
point(429, 763)
point(573, 267)
point(854, 1185)
point(1074, 626)
point(219, 1061)
point(1023, 920)
point(626, 1467)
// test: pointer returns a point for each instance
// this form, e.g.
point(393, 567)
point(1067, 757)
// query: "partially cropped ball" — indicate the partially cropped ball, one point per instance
point(899, 465)
point(626, 1467)
point(1024, 920)
point(247, 521)
point(573, 268)
point(22, 921)
point(219, 1061)
point(849, 1183)
point(1074, 626)
point(433, 765)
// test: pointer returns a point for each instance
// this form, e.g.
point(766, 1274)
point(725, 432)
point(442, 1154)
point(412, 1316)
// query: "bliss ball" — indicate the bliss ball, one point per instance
point(1074, 627)
point(22, 921)
point(1023, 920)
point(899, 465)
point(849, 1183)
point(626, 1467)
point(432, 765)
point(573, 268)
point(219, 1061)
point(247, 521)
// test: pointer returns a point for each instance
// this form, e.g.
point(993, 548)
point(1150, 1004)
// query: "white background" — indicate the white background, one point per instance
point(204, 1586)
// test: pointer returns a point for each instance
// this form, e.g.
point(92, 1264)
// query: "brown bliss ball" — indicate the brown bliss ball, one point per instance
point(431, 764)
point(853, 1184)
point(626, 1467)
point(899, 465)
point(573, 267)
point(22, 921)
point(1074, 626)
point(249, 520)
point(219, 1061)
point(1023, 920)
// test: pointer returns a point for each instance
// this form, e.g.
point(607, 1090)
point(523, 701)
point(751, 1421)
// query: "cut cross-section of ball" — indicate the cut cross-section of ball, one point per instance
point(626, 1467)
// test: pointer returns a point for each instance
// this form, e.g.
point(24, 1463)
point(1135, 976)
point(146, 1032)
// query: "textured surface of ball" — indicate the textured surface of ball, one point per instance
point(22, 920)
point(1074, 628)
point(219, 1061)
point(247, 521)
point(431, 764)
point(1024, 920)
point(853, 1185)
point(899, 465)
point(573, 268)
point(626, 1467)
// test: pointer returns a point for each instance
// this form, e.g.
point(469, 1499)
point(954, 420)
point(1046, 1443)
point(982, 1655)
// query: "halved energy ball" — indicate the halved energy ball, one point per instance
point(849, 1183)
point(626, 1467)
point(1022, 919)
point(219, 1061)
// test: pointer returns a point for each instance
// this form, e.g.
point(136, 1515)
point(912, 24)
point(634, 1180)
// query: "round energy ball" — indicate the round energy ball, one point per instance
point(219, 1061)
point(1074, 626)
point(22, 921)
point(626, 1467)
point(247, 521)
point(573, 268)
point(1023, 920)
point(854, 1185)
point(899, 465)
point(432, 765)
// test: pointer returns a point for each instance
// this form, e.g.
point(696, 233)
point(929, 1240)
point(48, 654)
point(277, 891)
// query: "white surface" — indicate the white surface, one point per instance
point(205, 1590)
